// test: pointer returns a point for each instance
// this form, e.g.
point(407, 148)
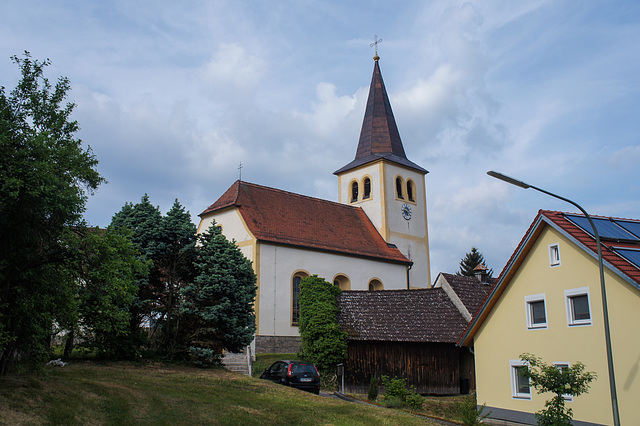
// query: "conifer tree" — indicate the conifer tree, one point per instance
point(168, 242)
point(143, 221)
point(469, 263)
point(218, 305)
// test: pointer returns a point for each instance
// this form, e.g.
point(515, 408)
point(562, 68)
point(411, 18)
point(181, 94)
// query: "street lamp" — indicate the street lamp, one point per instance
point(605, 310)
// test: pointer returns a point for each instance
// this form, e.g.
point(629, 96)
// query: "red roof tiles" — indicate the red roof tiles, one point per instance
point(282, 217)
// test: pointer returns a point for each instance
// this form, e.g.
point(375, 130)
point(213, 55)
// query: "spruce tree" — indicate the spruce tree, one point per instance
point(218, 306)
point(143, 221)
point(469, 263)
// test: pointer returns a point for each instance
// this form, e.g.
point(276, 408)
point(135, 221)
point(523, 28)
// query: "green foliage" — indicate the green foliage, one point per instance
point(168, 243)
point(45, 176)
point(323, 343)
point(393, 402)
point(108, 269)
point(205, 358)
point(373, 388)
point(468, 411)
point(572, 381)
point(414, 400)
point(396, 390)
point(218, 306)
point(470, 261)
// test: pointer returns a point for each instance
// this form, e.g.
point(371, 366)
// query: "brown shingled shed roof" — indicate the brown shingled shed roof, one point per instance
point(470, 290)
point(282, 217)
point(425, 315)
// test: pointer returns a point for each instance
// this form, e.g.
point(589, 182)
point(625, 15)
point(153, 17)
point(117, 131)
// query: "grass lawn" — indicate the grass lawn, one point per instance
point(86, 392)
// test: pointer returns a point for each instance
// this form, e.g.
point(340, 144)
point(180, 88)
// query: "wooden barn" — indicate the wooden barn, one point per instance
point(411, 334)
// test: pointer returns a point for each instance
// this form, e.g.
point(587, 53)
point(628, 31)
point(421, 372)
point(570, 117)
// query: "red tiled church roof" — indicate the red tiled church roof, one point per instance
point(282, 217)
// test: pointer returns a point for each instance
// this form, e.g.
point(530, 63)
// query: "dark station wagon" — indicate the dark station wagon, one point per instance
point(297, 374)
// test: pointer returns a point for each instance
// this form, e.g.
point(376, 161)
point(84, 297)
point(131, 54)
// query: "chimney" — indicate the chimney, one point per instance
point(481, 273)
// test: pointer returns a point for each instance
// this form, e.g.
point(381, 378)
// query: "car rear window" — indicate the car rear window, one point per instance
point(303, 368)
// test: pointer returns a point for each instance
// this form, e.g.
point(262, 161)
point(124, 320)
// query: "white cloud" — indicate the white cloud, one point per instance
point(232, 65)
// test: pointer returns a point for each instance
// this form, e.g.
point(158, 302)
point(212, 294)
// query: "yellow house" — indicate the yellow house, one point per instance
point(547, 302)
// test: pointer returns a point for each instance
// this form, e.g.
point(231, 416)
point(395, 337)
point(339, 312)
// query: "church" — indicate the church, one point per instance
point(374, 238)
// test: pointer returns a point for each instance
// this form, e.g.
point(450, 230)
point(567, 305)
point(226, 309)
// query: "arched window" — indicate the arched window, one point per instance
point(375, 284)
point(367, 189)
point(295, 294)
point(399, 188)
point(410, 190)
point(354, 191)
point(342, 281)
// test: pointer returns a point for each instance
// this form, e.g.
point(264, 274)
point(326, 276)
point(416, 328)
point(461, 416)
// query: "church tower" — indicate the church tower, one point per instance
point(387, 185)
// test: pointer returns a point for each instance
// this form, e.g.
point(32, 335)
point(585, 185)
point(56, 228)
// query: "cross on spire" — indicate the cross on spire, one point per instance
point(375, 43)
point(240, 168)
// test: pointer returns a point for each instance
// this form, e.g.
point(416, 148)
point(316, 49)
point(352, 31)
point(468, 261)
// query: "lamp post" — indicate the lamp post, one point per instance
point(605, 310)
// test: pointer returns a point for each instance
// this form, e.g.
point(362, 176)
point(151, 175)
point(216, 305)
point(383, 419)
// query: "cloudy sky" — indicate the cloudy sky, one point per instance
point(173, 96)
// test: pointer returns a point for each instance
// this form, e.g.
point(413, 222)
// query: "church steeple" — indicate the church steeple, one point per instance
point(390, 188)
point(379, 136)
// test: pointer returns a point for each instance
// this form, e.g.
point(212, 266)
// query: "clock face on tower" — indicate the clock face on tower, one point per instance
point(406, 211)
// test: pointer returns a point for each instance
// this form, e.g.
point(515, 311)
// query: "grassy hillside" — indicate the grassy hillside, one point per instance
point(121, 393)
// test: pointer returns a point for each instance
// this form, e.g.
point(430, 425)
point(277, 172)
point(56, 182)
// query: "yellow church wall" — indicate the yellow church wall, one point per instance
point(411, 236)
point(504, 334)
point(373, 205)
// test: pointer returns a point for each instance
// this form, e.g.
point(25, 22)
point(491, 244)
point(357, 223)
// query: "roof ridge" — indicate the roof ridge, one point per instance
point(308, 197)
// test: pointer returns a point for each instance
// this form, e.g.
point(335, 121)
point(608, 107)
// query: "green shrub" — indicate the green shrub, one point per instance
point(414, 400)
point(373, 388)
point(468, 411)
point(395, 388)
point(393, 402)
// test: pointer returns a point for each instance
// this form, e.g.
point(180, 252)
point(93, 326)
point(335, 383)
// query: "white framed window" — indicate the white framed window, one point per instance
point(536, 311)
point(554, 254)
point(578, 305)
point(561, 365)
point(520, 388)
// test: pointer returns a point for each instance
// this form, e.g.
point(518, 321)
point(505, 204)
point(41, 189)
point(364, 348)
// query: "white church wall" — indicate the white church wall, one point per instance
point(233, 227)
point(278, 265)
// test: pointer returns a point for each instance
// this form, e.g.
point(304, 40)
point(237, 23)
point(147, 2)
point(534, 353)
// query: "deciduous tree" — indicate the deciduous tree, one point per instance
point(45, 177)
point(566, 381)
point(107, 272)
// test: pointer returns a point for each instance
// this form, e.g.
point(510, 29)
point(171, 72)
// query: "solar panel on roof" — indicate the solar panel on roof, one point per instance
point(606, 228)
point(633, 227)
point(631, 255)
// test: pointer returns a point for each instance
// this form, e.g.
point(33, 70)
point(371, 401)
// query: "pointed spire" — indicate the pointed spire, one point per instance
point(379, 136)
